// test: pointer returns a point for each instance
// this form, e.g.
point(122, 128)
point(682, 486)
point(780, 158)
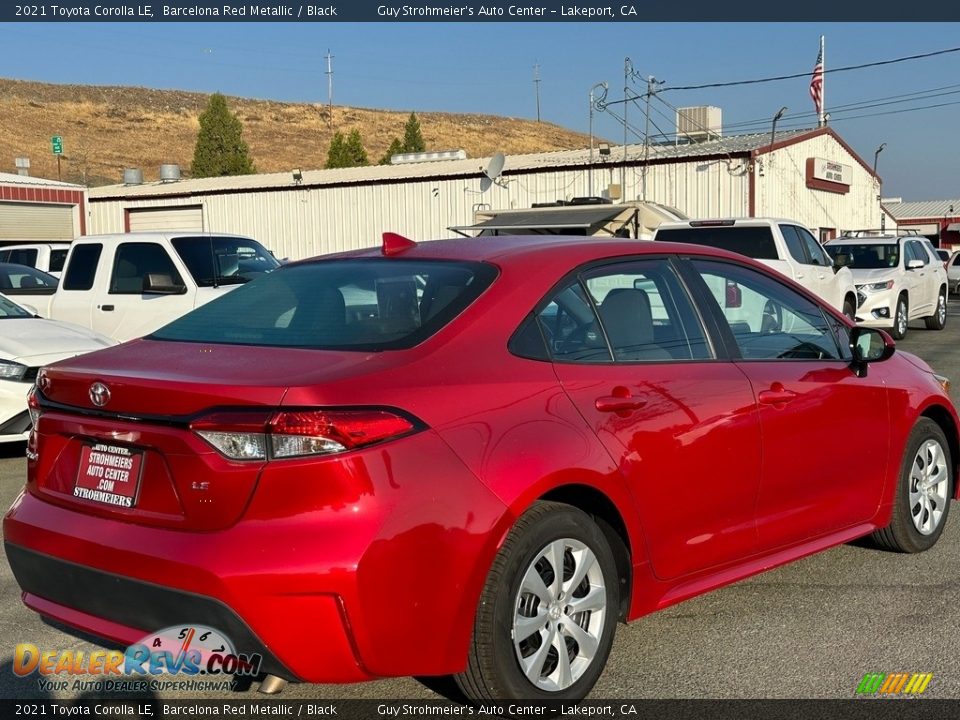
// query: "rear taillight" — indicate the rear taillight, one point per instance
point(33, 406)
point(297, 433)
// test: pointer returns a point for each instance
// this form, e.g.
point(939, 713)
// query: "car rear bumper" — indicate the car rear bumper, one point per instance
point(382, 583)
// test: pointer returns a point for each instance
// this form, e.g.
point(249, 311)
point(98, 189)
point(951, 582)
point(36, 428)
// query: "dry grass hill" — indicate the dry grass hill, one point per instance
point(107, 129)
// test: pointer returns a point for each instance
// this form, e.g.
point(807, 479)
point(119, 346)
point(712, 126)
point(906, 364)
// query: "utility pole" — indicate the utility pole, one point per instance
point(646, 134)
point(536, 84)
point(329, 58)
point(627, 71)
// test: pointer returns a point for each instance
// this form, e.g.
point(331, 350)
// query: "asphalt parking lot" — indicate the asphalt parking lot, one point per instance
point(808, 630)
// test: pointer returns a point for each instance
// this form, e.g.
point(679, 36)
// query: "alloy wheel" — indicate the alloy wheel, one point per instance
point(901, 318)
point(942, 309)
point(929, 483)
point(559, 615)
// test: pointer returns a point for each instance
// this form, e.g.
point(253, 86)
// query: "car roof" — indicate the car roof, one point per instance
point(541, 250)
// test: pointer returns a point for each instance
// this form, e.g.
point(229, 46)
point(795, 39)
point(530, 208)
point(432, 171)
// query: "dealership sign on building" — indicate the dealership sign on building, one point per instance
point(828, 175)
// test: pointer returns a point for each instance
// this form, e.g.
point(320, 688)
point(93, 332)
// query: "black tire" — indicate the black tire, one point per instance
point(938, 320)
point(850, 309)
point(493, 671)
point(899, 330)
point(902, 534)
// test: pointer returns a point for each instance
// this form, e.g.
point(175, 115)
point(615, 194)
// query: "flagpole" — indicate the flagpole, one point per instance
point(821, 120)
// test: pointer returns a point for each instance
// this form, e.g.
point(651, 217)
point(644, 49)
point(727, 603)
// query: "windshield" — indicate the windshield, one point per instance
point(754, 242)
point(10, 309)
point(215, 261)
point(868, 256)
point(364, 304)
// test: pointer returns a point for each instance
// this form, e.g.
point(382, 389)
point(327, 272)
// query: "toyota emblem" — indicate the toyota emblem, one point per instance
point(99, 394)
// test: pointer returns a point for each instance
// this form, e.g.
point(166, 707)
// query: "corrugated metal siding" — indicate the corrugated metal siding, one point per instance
point(146, 219)
point(36, 221)
point(301, 222)
point(782, 191)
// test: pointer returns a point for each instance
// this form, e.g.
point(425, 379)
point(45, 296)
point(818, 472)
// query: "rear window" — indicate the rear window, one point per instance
point(754, 242)
point(57, 259)
point(363, 304)
point(215, 261)
point(868, 256)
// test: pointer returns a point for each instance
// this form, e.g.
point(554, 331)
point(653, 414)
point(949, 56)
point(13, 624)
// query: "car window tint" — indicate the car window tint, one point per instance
point(134, 261)
point(82, 267)
point(956, 260)
point(57, 259)
point(794, 244)
point(214, 261)
point(21, 256)
point(866, 256)
point(754, 242)
point(646, 313)
point(818, 255)
point(361, 304)
point(768, 320)
point(570, 326)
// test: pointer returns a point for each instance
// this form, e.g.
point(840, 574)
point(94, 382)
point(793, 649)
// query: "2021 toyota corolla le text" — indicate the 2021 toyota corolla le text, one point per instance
point(469, 457)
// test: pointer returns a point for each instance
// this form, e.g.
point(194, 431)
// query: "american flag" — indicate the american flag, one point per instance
point(816, 83)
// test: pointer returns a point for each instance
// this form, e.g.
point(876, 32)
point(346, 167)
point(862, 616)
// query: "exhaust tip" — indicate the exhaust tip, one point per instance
point(272, 685)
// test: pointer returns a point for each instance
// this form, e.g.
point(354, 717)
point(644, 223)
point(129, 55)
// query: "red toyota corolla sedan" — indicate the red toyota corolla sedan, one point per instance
point(470, 457)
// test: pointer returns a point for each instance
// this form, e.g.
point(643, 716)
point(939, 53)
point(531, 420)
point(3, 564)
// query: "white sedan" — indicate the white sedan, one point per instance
point(27, 343)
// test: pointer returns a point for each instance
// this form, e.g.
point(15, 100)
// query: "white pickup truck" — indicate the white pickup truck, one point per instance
point(784, 245)
point(128, 285)
point(46, 256)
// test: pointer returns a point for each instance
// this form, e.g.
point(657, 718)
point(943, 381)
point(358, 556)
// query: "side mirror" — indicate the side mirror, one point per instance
point(914, 264)
point(162, 284)
point(869, 345)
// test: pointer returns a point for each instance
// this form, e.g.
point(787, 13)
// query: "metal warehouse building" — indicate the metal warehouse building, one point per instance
point(811, 176)
point(938, 220)
point(36, 209)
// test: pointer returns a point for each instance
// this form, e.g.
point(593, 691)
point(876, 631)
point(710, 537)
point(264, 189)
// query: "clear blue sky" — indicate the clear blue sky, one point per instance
point(488, 68)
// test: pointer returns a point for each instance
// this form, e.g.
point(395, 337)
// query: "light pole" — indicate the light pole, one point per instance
point(773, 128)
point(603, 86)
point(883, 216)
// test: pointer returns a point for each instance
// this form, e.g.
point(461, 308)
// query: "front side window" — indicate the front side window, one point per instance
point(916, 251)
point(134, 261)
point(57, 259)
point(813, 247)
point(214, 261)
point(21, 256)
point(362, 304)
point(768, 320)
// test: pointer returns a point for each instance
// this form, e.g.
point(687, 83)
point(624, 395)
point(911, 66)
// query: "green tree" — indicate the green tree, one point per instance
point(396, 147)
point(220, 148)
point(347, 151)
point(412, 137)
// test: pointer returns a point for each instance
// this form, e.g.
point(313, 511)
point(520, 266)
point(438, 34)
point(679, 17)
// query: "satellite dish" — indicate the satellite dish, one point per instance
point(493, 171)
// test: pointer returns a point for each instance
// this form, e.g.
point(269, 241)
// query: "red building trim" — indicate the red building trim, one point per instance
point(48, 196)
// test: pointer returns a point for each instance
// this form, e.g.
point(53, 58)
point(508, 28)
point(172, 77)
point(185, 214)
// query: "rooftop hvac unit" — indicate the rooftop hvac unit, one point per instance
point(699, 123)
point(169, 173)
point(133, 176)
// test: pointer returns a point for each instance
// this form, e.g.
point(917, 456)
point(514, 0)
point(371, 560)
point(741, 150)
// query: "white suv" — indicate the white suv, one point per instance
point(899, 278)
point(784, 245)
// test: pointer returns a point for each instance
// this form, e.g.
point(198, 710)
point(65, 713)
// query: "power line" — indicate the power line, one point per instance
point(808, 72)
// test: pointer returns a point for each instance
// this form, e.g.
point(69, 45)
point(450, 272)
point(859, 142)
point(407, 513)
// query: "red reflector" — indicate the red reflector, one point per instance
point(351, 428)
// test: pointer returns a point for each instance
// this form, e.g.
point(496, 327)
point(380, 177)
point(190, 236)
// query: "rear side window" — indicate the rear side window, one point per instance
point(754, 242)
point(363, 304)
point(83, 267)
point(794, 244)
point(57, 259)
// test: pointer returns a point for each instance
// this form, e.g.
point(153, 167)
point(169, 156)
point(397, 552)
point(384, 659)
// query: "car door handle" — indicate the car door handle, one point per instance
point(107, 308)
point(776, 395)
point(612, 403)
point(619, 402)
